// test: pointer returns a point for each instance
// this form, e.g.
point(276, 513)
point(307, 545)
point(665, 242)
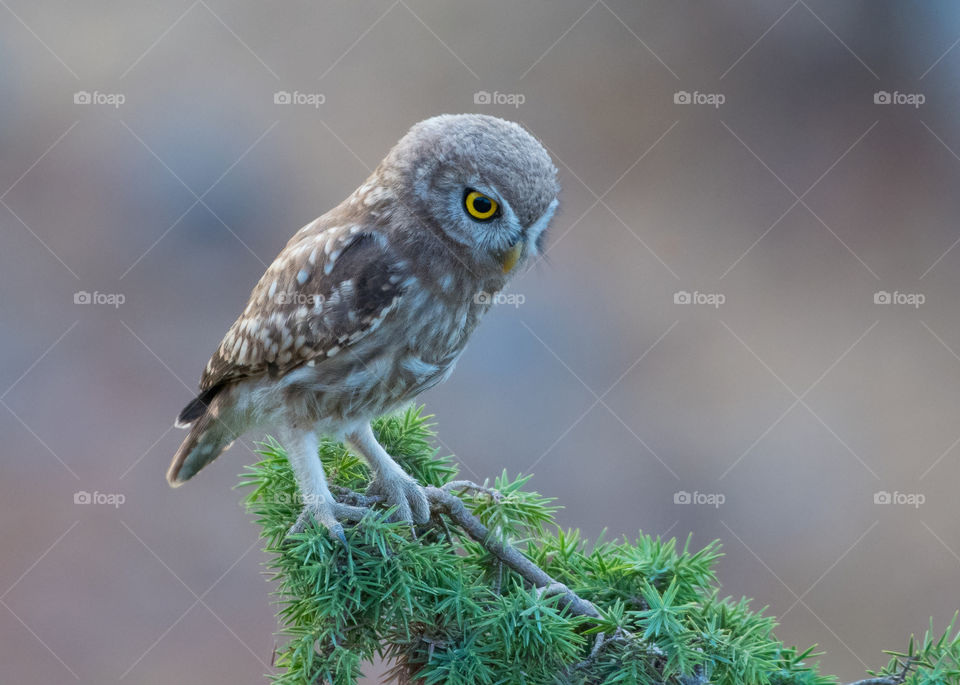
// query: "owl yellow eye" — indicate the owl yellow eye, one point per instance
point(479, 206)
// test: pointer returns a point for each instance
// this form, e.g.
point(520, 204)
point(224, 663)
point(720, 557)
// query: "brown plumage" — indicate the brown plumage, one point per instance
point(372, 303)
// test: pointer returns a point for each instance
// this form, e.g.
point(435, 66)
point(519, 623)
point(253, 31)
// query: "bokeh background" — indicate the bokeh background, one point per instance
point(783, 398)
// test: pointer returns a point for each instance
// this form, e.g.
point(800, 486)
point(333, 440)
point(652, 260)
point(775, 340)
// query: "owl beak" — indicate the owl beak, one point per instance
point(531, 236)
point(511, 257)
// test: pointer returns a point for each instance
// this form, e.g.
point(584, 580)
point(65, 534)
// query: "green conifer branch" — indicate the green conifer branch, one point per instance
point(457, 601)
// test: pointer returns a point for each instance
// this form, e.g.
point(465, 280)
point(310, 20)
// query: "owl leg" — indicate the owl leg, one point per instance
point(301, 445)
point(391, 481)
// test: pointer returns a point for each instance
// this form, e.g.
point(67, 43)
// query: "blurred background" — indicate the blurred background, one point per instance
point(746, 327)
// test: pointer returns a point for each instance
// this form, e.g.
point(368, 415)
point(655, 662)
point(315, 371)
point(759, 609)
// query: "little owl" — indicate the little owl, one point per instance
point(373, 303)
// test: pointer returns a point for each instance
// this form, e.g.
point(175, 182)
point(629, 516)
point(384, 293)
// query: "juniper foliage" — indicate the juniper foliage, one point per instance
point(443, 607)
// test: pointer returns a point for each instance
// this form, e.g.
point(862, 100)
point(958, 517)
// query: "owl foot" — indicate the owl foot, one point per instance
point(403, 492)
point(327, 514)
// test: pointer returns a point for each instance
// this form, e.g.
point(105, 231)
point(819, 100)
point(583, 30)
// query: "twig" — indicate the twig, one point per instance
point(469, 486)
point(598, 645)
point(348, 496)
point(443, 501)
point(898, 679)
point(454, 507)
point(602, 641)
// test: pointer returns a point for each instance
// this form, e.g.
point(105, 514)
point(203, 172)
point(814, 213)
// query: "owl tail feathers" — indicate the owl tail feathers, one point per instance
point(198, 407)
point(207, 439)
point(210, 434)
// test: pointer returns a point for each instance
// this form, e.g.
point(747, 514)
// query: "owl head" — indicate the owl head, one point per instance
point(484, 184)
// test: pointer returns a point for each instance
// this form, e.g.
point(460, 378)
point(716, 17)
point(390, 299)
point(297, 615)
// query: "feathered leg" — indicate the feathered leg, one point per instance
point(391, 481)
point(318, 504)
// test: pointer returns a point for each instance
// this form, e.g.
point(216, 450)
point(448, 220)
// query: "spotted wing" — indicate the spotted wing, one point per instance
point(323, 293)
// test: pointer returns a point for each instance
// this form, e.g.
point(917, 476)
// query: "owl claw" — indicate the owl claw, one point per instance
point(325, 514)
point(403, 492)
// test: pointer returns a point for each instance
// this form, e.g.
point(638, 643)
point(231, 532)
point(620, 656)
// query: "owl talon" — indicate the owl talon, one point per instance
point(325, 514)
point(403, 492)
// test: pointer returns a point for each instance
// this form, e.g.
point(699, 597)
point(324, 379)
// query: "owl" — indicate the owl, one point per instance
point(373, 303)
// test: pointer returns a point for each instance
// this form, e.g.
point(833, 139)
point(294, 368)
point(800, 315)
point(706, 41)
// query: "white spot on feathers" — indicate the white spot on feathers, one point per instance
point(331, 260)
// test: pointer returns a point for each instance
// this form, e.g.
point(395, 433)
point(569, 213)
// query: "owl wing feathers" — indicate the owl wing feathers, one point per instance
point(325, 291)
